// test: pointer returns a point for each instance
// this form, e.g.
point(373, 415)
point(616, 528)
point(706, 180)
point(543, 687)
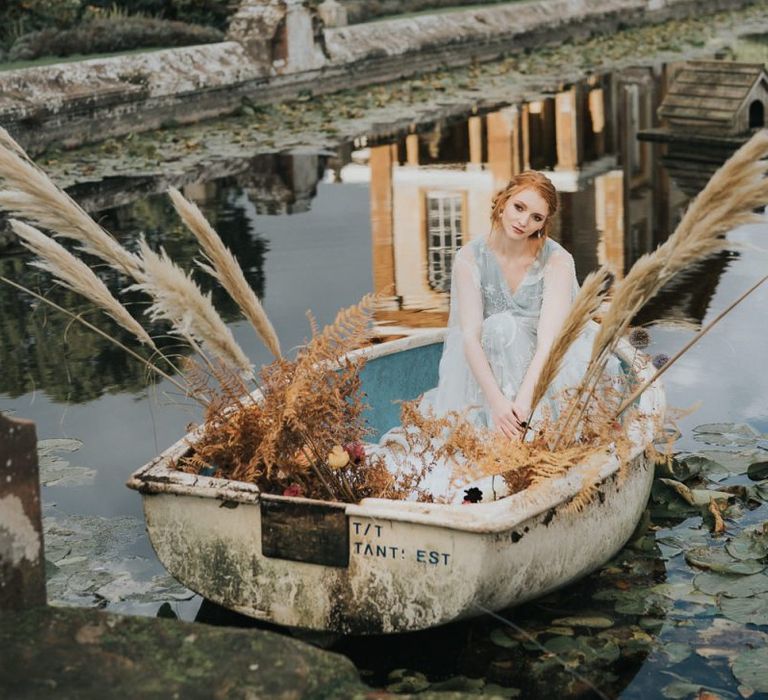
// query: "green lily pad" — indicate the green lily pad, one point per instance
point(695, 497)
point(717, 559)
point(752, 610)
point(405, 681)
point(750, 669)
point(749, 544)
point(681, 689)
point(596, 622)
point(726, 434)
point(713, 583)
point(500, 638)
point(733, 462)
point(584, 649)
point(677, 651)
point(55, 471)
point(757, 471)
point(699, 464)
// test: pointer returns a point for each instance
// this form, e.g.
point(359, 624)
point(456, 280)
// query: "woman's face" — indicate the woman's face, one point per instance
point(524, 215)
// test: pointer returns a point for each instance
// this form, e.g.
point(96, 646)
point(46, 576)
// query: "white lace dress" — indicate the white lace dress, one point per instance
point(511, 326)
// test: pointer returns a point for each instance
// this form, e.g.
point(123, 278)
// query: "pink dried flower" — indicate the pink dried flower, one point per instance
point(356, 451)
point(294, 490)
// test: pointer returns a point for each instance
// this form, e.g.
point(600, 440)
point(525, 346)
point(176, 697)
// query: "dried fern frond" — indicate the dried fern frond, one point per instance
point(27, 192)
point(584, 307)
point(225, 268)
point(177, 298)
point(74, 274)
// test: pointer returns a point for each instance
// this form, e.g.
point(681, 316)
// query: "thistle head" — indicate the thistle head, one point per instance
point(639, 338)
point(660, 360)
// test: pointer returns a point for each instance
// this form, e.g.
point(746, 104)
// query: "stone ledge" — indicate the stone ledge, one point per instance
point(58, 104)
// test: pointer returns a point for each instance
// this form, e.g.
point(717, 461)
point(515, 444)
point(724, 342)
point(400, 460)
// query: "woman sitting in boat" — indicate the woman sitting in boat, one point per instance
point(511, 291)
point(510, 294)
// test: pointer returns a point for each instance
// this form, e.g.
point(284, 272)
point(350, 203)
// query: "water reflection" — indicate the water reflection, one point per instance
point(430, 192)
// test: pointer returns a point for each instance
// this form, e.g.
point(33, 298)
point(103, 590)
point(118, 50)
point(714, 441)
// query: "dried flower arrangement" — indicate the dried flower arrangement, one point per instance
point(296, 427)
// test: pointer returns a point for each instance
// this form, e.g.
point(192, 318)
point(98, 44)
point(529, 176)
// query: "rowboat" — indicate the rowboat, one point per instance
point(385, 566)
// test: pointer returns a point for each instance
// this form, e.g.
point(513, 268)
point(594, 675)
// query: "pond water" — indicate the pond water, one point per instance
point(317, 230)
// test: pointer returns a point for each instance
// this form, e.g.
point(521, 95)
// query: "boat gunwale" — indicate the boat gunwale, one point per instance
point(502, 515)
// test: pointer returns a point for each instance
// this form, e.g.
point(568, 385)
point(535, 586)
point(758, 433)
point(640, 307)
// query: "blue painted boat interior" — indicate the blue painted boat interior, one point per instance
point(400, 376)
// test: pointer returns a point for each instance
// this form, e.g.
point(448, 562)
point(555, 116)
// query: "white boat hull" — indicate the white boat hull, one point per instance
point(388, 566)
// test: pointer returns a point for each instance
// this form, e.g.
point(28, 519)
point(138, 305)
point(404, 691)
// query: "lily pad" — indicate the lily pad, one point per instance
point(677, 651)
point(733, 462)
point(750, 669)
point(55, 471)
point(596, 622)
point(695, 497)
point(752, 610)
point(713, 583)
point(726, 434)
point(500, 638)
point(757, 471)
point(717, 559)
point(749, 544)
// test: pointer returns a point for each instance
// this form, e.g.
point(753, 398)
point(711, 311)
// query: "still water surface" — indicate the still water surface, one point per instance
point(317, 231)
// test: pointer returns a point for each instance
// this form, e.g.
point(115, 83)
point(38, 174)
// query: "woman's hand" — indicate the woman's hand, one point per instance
point(505, 415)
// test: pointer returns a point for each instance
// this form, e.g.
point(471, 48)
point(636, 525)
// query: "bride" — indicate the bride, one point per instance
point(511, 291)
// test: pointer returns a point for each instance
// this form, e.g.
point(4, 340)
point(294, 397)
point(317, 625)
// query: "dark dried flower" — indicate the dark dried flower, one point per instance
point(639, 338)
point(660, 360)
point(473, 495)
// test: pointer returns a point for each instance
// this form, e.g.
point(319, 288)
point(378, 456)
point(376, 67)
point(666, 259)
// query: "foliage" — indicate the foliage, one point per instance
point(304, 434)
point(22, 17)
point(104, 35)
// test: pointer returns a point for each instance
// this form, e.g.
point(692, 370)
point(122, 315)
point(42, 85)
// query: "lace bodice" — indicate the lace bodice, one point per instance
point(526, 301)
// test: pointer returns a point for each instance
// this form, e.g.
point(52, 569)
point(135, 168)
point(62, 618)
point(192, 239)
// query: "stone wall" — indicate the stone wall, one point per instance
point(282, 49)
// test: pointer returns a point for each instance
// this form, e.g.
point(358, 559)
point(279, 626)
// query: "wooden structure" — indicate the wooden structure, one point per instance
point(22, 567)
point(724, 98)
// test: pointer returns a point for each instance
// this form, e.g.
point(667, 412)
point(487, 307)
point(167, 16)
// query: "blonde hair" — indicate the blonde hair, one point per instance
point(528, 179)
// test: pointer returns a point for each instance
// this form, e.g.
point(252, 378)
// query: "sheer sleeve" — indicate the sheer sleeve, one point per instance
point(559, 290)
point(467, 307)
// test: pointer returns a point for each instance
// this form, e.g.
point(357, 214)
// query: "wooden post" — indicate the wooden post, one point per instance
point(22, 566)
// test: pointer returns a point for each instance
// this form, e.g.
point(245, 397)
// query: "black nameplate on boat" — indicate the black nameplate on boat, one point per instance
point(314, 533)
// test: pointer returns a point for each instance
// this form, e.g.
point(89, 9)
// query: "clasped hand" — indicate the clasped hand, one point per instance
point(509, 417)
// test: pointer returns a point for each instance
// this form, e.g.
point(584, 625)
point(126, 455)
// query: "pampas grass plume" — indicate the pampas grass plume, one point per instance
point(177, 298)
point(74, 274)
point(28, 193)
point(225, 268)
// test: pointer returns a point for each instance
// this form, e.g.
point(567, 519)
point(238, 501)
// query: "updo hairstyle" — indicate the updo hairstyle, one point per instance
point(527, 179)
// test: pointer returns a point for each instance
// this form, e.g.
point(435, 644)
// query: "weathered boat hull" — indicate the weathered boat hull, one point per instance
point(387, 566)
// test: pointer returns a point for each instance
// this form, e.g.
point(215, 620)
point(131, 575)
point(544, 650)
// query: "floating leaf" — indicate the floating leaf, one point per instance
point(695, 497)
point(757, 471)
point(713, 583)
point(500, 638)
point(733, 462)
point(752, 610)
point(717, 559)
point(596, 622)
point(677, 651)
point(726, 434)
point(749, 544)
point(55, 471)
point(751, 669)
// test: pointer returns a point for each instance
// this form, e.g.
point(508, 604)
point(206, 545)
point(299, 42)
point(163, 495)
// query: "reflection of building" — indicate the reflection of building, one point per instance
point(431, 191)
point(709, 110)
point(283, 183)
